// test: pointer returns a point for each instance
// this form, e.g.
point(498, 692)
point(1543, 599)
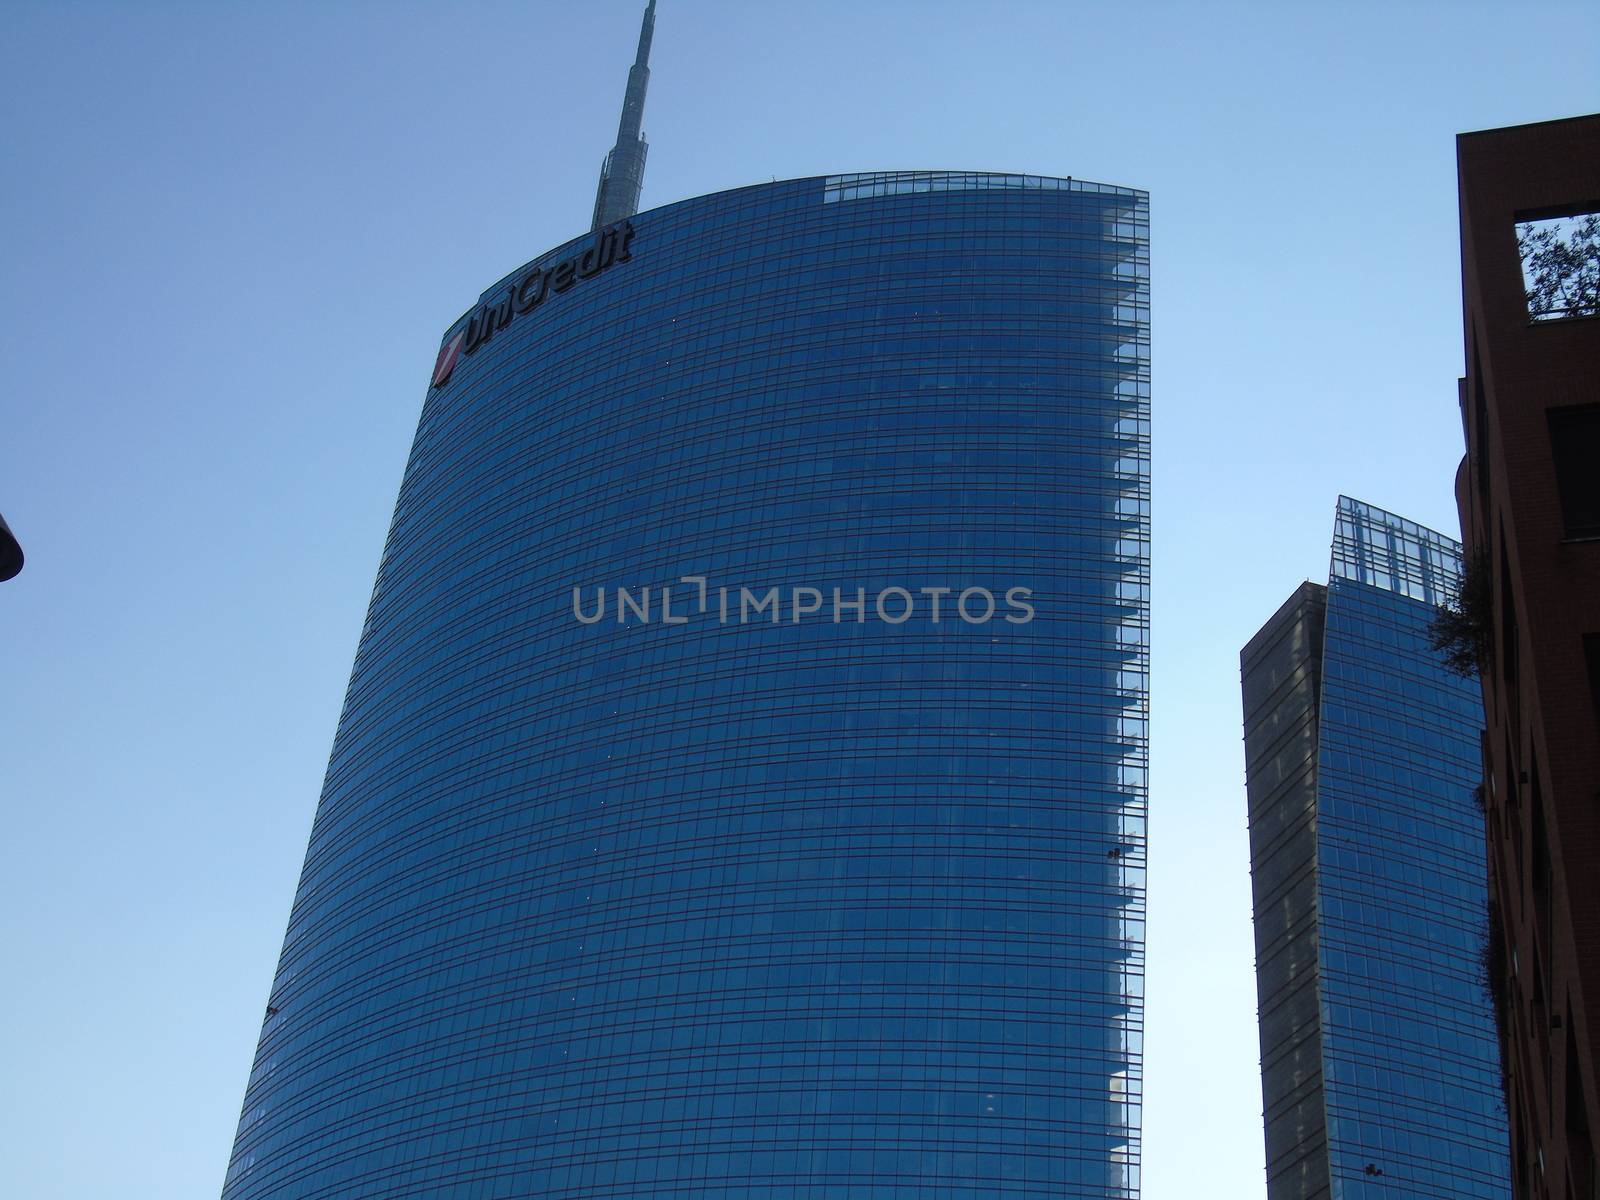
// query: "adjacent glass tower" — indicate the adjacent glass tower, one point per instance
point(1380, 1067)
point(837, 904)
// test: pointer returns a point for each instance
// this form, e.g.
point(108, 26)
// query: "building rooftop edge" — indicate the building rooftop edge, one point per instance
point(883, 173)
point(1087, 185)
point(1309, 591)
point(1353, 504)
point(1498, 130)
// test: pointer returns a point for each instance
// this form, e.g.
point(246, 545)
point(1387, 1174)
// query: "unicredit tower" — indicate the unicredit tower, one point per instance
point(740, 792)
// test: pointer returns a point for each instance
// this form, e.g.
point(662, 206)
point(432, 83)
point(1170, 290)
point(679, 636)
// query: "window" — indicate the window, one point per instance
point(1478, 436)
point(1591, 658)
point(1580, 1148)
point(1575, 445)
point(1561, 265)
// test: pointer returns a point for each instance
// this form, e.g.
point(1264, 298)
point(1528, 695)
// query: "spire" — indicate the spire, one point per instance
point(622, 173)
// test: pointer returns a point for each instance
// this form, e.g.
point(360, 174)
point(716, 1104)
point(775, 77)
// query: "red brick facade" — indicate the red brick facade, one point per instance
point(1542, 744)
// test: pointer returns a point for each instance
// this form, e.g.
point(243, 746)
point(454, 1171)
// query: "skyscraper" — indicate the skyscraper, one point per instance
point(1379, 1068)
point(1529, 496)
point(740, 790)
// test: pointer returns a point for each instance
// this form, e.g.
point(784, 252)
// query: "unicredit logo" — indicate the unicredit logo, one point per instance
point(448, 353)
point(611, 245)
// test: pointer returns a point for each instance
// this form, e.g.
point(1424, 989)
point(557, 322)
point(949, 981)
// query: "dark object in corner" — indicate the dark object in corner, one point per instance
point(10, 553)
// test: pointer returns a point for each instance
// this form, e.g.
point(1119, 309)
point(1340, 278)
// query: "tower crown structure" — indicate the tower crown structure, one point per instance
point(622, 173)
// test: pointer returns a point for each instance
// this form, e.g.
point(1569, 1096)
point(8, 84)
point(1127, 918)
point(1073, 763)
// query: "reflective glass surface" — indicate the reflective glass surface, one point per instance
point(805, 908)
point(1411, 1064)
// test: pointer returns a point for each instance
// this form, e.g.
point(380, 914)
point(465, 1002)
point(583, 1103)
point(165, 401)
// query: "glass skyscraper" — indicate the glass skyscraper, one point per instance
point(1380, 1066)
point(740, 790)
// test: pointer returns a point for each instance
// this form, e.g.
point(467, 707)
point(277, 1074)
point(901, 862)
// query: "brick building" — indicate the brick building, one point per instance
point(1529, 497)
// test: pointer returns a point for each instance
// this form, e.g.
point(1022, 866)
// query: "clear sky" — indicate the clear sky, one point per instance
point(233, 235)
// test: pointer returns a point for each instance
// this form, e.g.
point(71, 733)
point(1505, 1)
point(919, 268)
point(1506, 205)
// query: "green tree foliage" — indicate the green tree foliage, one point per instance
point(1460, 629)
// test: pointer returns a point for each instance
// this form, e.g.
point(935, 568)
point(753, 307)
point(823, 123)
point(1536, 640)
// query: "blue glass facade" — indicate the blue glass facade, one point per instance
point(1411, 1064)
point(1396, 1065)
point(841, 904)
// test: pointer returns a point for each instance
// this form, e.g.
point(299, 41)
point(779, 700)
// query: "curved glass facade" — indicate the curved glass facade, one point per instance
point(1379, 1061)
point(1411, 1063)
point(838, 897)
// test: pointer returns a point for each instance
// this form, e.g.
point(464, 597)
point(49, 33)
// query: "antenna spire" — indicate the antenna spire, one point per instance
point(622, 173)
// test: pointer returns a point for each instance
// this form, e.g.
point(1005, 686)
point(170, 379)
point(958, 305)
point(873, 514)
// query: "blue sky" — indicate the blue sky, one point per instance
point(234, 234)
